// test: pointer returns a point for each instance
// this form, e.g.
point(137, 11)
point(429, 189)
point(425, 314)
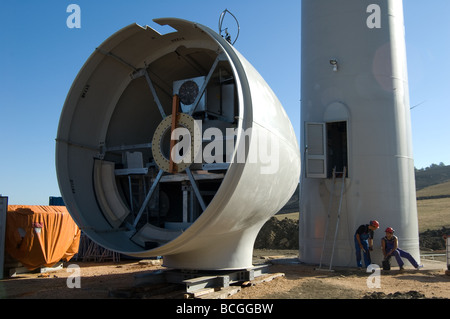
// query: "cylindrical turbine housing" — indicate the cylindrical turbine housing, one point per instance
point(113, 152)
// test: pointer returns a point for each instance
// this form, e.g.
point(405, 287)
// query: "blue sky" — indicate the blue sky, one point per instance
point(40, 57)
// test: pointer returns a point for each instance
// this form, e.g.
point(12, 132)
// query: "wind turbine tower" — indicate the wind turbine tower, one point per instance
point(357, 141)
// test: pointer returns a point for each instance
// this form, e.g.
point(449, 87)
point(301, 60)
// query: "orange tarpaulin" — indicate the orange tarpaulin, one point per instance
point(40, 236)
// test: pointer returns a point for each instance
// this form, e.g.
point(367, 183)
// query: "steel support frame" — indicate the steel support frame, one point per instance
point(195, 280)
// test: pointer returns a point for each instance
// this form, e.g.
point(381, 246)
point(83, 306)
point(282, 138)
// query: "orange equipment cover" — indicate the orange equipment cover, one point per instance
point(40, 236)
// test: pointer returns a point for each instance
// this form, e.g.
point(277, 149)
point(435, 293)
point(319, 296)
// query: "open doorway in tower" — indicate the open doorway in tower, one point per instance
point(326, 149)
point(337, 155)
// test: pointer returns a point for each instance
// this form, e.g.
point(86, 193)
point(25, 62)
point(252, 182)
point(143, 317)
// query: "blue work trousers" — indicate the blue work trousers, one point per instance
point(364, 238)
point(399, 254)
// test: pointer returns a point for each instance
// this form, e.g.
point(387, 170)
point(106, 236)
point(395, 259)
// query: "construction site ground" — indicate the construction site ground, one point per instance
point(107, 280)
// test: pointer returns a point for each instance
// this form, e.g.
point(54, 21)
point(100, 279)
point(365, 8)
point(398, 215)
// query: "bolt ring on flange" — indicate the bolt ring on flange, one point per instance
point(159, 142)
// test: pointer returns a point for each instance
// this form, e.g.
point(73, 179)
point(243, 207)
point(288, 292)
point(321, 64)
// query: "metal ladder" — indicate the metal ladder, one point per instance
point(330, 204)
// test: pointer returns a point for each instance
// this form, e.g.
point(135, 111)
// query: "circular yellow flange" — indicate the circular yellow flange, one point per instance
point(161, 143)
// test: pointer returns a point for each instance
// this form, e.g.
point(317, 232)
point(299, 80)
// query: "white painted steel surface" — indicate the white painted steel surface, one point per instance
point(117, 101)
point(368, 94)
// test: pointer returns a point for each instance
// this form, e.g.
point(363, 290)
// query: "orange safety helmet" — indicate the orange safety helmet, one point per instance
point(375, 223)
point(389, 230)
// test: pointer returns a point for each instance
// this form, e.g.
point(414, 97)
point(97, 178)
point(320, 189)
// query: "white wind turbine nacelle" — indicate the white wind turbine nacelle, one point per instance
point(113, 148)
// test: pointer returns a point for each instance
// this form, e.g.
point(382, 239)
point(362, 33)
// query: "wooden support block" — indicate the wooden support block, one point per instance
point(267, 278)
point(199, 293)
point(223, 293)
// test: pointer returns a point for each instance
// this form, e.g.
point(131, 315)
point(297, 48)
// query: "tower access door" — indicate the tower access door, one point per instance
point(326, 149)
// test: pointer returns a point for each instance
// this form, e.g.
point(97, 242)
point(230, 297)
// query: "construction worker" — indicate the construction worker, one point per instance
point(389, 245)
point(364, 242)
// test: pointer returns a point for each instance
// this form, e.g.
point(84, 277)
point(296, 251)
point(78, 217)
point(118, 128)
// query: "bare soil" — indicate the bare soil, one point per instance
point(307, 282)
point(300, 281)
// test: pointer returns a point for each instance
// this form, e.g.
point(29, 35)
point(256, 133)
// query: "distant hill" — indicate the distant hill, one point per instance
point(433, 175)
point(433, 181)
point(441, 190)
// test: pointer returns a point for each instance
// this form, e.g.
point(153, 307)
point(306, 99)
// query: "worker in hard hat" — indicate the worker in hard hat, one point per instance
point(389, 245)
point(364, 242)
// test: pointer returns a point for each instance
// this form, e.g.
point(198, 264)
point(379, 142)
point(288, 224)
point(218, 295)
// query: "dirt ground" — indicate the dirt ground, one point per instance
point(299, 281)
point(306, 282)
